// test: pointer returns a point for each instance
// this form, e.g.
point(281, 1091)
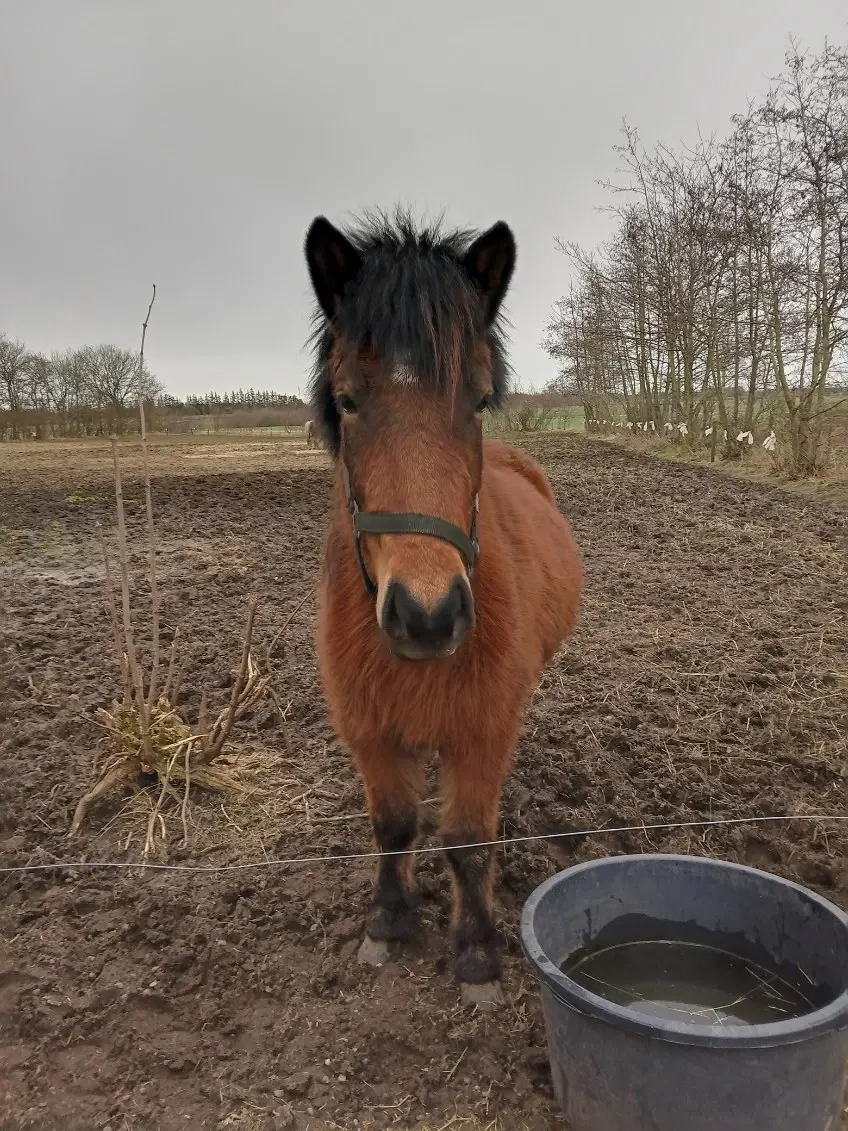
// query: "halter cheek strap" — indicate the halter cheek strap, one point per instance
point(385, 522)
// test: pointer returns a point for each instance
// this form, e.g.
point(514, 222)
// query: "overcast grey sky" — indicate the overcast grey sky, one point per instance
point(190, 143)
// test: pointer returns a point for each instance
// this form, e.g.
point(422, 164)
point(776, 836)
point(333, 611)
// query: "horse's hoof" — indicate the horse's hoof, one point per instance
point(373, 952)
point(484, 995)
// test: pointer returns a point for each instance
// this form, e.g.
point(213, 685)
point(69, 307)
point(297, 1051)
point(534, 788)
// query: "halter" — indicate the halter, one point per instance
point(384, 522)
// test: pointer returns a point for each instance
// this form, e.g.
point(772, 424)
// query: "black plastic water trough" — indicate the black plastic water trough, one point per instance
point(617, 1069)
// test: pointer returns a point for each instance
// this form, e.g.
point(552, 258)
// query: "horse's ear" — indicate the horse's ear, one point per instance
point(490, 262)
point(333, 262)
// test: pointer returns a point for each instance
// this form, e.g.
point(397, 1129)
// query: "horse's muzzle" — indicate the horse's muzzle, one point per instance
point(416, 633)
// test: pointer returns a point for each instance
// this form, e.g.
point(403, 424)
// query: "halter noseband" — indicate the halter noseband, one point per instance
point(384, 522)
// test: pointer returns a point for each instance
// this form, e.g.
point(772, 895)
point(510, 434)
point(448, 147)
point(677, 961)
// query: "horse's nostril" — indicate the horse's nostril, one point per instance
point(462, 592)
point(457, 609)
point(404, 618)
point(392, 620)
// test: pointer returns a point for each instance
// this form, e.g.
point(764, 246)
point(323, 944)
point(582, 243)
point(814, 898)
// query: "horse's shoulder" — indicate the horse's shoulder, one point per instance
point(505, 457)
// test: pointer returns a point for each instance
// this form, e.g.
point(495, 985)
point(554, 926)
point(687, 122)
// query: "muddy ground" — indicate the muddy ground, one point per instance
point(707, 680)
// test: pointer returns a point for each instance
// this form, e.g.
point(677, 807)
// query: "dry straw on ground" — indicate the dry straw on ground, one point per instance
point(146, 734)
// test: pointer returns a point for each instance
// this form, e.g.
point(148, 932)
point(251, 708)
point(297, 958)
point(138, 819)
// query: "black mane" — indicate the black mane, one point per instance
point(413, 303)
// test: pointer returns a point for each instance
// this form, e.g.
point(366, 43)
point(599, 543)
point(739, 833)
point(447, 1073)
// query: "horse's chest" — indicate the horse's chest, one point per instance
point(414, 702)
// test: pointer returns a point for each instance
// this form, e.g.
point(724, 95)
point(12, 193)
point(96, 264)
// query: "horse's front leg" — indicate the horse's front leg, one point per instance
point(473, 778)
point(393, 782)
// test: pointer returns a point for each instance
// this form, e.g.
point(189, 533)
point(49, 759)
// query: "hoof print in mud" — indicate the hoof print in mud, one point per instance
point(484, 995)
point(373, 952)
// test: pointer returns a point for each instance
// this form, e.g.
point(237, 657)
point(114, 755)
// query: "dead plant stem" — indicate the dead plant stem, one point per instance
point(214, 749)
point(129, 636)
point(113, 614)
point(152, 689)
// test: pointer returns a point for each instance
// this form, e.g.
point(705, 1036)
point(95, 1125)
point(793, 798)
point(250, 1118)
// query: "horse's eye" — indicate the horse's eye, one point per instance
point(484, 403)
point(347, 404)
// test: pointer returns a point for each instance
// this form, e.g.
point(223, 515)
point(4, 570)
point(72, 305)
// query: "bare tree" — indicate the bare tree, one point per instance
point(805, 120)
point(723, 292)
point(114, 383)
point(14, 363)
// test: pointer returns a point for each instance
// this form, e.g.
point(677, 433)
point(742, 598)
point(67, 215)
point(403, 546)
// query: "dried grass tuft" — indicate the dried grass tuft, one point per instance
point(145, 733)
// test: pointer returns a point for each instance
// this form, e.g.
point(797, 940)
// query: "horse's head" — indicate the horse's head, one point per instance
point(409, 355)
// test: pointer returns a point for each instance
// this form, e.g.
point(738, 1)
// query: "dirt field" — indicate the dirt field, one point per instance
point(707, 680)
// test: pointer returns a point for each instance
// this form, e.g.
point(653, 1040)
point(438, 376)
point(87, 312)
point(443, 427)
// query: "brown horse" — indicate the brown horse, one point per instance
point(450, 578)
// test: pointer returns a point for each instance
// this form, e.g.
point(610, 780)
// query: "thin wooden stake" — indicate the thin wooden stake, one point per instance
point(153, 685)
point(129, 637)
point(123, 662)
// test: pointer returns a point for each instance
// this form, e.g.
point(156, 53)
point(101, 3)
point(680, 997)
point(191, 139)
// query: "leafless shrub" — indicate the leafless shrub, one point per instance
point(145, 732)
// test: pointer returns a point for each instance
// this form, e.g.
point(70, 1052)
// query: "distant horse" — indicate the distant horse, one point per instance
point(450, 578)
point(312, 440)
